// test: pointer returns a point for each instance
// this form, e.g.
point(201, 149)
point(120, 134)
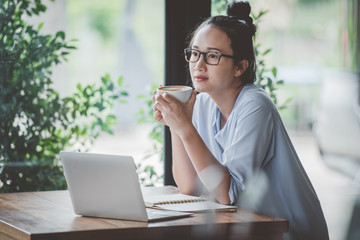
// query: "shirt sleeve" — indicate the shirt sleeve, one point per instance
point(250, 146)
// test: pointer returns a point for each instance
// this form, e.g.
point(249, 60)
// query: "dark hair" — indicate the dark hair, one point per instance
point(239, 27)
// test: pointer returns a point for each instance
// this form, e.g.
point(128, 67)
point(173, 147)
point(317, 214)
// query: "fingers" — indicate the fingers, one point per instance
point(156, 98)
point(168, 97)
point(157, 115)
point(193, 97)
point(159, 106)
point(153, 96)
point(159, 98)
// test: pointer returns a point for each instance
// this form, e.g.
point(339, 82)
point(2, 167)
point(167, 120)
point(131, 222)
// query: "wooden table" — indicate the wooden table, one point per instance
point(49, 215)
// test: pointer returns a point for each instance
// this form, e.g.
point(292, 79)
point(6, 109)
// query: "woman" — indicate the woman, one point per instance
point(229, 138)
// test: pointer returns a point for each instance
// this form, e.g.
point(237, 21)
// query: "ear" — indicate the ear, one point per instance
point(241, 68)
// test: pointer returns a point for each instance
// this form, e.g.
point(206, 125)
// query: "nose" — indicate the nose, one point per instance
point(200, 64)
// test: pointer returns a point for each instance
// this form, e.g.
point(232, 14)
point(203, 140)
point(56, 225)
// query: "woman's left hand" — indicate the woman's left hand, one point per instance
point(175, 114)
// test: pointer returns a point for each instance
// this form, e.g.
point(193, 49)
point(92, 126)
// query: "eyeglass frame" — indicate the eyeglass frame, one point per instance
point(204, 54)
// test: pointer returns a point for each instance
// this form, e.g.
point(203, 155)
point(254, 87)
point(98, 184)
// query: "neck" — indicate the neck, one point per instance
point(225, 102)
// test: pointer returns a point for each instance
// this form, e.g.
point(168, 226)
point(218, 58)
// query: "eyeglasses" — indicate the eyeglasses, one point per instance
point(210, 57)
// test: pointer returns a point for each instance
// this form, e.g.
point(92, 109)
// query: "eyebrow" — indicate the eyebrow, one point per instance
point(209, 48)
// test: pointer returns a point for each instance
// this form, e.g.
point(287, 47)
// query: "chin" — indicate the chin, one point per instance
point(199, 88)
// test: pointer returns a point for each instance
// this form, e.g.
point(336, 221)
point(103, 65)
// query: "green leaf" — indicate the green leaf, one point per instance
point(105, 79)
point(288, 100)
point(280, 82)
point(269, 82)
point(70, 47)
point(274, 71)
point(40, 26)
point(261, 13)
point(79, 87)
point(124, 93)
point(120, 81)
point(60, 34)
point(111, 120)
point(266, 52)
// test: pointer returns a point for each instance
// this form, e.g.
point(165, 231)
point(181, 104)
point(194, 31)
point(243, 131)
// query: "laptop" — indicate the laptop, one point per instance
point(108, 186)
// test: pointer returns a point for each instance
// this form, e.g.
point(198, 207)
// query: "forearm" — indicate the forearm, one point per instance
point(184, 173)
point(212, 174)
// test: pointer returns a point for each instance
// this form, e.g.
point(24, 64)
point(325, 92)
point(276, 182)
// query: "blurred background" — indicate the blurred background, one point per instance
point(315, 47)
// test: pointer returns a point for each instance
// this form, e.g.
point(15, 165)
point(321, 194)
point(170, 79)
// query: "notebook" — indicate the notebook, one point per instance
point(108, 186)
point(186, 203)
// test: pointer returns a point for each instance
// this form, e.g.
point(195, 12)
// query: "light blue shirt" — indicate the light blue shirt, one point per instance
point(266, 173)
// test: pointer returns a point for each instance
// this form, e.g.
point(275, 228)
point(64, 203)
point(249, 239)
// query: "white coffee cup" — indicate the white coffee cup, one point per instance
point(181, 93)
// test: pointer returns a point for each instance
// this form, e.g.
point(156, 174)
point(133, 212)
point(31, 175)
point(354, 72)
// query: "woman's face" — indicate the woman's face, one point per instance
point(214, 79)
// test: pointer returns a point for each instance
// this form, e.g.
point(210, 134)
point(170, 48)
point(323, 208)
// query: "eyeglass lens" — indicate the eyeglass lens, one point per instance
point(193, 55)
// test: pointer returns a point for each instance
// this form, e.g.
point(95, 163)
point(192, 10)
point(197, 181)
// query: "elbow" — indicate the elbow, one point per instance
point(187, 185)
point(225, 200)
point(221, 193)
point(187, 190)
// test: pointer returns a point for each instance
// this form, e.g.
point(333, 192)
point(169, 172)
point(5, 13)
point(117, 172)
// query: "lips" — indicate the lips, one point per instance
point(200, 78)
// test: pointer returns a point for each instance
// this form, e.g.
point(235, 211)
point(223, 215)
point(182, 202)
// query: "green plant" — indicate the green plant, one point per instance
point(35, 123)
point(267, 77)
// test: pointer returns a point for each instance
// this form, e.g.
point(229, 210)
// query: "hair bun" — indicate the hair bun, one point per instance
point(240, 10)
